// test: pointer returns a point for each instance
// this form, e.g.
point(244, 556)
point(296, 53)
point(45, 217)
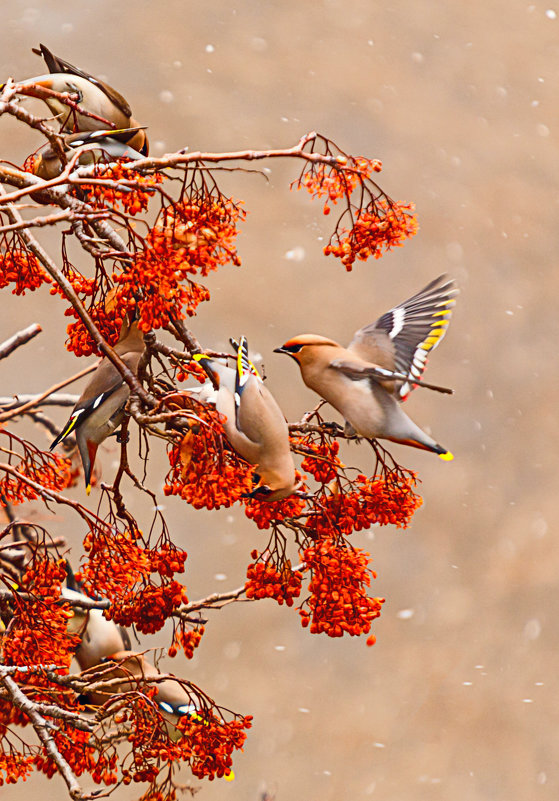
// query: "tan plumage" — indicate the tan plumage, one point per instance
point(99, 637)
point(103, 146)
point(384, 361)
point(100, 408)
point(255, 425)
point(95, 96)
point(134, 670)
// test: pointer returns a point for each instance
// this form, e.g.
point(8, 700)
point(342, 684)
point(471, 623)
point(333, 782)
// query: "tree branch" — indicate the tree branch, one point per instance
point(43, 728)
point(72, 296)
point(51, 495)
point(23, 336)
point(215, 601)
point(54, 399)
point(36, 400)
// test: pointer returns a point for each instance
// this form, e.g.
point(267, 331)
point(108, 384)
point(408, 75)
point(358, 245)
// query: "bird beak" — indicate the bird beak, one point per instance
point(280, 350)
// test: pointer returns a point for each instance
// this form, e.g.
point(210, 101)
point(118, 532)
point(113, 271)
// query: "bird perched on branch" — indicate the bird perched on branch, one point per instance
point(103, 146)
point(99, 637)
point(94, 96)
point(134, 670)
point(385, 360)
point(100, 410)
point(254, 425)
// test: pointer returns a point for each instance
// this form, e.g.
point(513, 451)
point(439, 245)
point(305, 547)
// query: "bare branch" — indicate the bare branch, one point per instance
point(23, 336)
point(54, 399)
point(7, 106)
point(53, 219)
point(79, 603)
point(215, 601)
point(36, 400)
point(180, 158)
point(51, 495)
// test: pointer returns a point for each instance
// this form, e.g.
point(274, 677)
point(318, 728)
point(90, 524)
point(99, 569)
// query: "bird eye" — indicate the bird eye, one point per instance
point(259, 492)
point(262, 491)
point(290, 349)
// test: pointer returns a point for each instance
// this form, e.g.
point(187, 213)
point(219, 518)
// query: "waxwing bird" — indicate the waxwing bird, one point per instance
point(255, 425)
point(385, 360)
point(133, 668)
point(94, 96)
point(103, 146)
point(99, 637)
point(100, 409)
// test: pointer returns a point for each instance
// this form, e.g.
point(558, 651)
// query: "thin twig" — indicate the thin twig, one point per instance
point(215, 601)
point(74, 299)
point(51, 495)
point(36, 400)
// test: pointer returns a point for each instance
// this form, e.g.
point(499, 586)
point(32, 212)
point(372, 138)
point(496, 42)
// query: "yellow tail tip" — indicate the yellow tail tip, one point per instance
point(446, 457)
point(230, 777)
point(87, 489)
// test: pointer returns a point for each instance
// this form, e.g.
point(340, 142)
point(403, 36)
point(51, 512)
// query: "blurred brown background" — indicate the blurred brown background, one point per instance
point(459, 699)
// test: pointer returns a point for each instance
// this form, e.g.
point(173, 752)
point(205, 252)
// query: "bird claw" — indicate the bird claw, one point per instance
point(333, 428)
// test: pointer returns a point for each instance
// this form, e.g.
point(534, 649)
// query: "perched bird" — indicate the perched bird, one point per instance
point(94, 96)
point(100, 409)
point(133, 668)
point(104, 146)
point(99, 637)
point(385, 360)
point(254, 425)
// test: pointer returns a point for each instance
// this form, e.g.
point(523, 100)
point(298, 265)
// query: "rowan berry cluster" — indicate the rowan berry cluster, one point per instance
point(384, 225)
point(21, 268)
point(205, 472)
point(265, 579)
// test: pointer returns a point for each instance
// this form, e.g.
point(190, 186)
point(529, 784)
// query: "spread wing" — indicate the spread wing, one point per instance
point(402, 339)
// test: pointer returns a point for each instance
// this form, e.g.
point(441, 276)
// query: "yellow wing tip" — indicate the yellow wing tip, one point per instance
point(446, 457)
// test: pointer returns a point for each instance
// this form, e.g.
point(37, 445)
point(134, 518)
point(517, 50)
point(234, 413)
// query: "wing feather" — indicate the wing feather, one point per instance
point(402, 339)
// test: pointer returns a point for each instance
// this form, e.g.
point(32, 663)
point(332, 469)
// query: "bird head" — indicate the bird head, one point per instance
point(303, 347)
point(274, 482)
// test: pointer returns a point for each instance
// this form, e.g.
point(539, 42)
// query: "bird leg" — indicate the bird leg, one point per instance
point(121, 436)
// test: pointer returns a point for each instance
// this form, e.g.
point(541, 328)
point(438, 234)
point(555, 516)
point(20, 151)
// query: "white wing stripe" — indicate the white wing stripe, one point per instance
point(398, 318)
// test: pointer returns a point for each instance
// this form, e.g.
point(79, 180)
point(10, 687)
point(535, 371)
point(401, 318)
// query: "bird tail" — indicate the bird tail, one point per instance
point(244, 364)
point(52, 62)
point(425, 445)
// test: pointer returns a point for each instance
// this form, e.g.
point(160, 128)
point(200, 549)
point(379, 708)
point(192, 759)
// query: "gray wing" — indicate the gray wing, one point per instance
point(402, 339)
